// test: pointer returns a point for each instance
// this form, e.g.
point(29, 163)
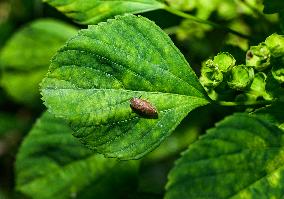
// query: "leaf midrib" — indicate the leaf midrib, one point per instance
point(107, 124)
point(124, 90)
point(123, 101)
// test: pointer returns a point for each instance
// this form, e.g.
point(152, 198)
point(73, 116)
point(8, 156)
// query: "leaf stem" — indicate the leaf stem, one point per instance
point(225, 103)
point(171, 30)
point(196, 19)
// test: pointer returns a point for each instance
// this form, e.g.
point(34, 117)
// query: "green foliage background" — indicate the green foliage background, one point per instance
point(70, 67)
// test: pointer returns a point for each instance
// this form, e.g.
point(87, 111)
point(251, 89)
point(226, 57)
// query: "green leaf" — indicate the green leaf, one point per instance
point(93, 77)
point(23, 87)
point(26, 57)
point(273, 6)
point(52, 164)
point(272, 113)
point(94, 11)
point(242, 157)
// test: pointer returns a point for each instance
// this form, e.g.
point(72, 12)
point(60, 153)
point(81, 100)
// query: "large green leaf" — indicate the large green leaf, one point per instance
point(94, 11)
point(93, 77)
point(51, 163)
point(242, 157)
point(26, 56)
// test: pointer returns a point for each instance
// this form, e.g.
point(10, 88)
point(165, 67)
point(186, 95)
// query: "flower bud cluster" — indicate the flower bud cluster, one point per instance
point(262, 75)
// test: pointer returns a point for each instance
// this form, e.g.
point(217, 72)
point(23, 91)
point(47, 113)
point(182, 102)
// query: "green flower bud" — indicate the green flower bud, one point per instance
point(278, 73)
point(258, 57)
point(258, 86)
point(225, 61)
point(240, 77)
point(211, 76)
point(258, 83)
point(275, 43)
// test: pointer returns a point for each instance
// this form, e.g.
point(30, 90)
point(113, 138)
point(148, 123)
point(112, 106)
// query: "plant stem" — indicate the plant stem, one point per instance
point(196, 19)
point(224, 103)
point(171, 30)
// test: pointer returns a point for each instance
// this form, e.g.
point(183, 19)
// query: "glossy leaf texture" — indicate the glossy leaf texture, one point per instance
point(94, 76)
point(94, 11)
point(26, 56)
point(51, 163)
point(242, 157)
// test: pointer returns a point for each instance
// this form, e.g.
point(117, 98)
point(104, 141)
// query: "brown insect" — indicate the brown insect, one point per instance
point(143, 108)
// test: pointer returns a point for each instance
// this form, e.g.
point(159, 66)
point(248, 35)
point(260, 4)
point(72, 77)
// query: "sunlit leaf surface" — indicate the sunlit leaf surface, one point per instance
point(242, 157)
point(94, 76)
